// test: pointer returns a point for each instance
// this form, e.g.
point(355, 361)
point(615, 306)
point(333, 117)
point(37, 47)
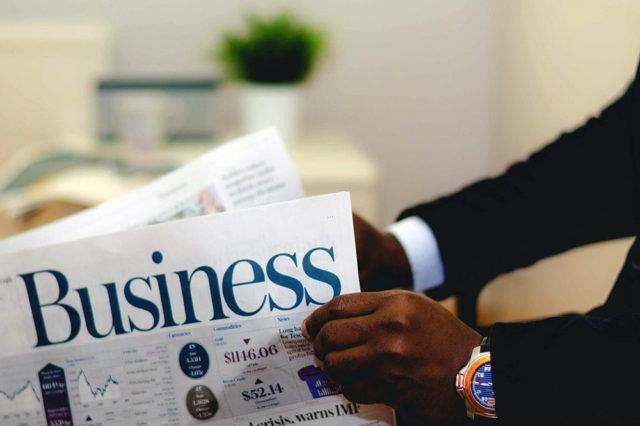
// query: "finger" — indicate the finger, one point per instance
point(344, 306)
point(349, 365)
point(365, 392)
point(358, 373)
point(360, 230)
point(341, 334)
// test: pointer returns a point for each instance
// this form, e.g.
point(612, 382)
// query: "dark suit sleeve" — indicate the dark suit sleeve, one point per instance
point(579, 370)
point(579, 189)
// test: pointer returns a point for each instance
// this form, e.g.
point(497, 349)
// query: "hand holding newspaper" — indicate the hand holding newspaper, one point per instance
point(196, 321)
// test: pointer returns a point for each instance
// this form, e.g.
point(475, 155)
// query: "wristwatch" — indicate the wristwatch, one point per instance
point(474, 383)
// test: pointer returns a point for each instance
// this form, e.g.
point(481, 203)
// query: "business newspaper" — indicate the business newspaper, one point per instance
point(195, 321)
point(250, 171)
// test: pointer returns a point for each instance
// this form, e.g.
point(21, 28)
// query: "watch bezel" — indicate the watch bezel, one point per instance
point(478, 408)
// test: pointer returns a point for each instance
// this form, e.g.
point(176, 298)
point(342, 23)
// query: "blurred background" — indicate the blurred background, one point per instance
point(407, 101)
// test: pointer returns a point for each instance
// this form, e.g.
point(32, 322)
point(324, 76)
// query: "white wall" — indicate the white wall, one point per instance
point(558, 62)
point(439, 92)
point(409, 80)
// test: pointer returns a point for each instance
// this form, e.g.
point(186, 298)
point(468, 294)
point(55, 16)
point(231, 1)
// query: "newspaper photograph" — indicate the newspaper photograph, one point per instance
point(194, 321)
point(250, 171)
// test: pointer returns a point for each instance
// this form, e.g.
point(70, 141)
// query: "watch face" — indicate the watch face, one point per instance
point(482, 386)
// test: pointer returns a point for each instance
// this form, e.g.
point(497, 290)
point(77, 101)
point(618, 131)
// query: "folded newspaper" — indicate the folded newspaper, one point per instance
point(250, 171)
point(193, 321)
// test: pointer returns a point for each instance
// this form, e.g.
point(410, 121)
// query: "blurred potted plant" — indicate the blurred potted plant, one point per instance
point(272, 59)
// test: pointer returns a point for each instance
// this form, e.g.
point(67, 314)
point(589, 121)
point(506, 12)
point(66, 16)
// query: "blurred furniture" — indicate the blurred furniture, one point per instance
point(42, 215)
point(197, 98)
point(326, 162)
point(331, 162)
point(47, 79)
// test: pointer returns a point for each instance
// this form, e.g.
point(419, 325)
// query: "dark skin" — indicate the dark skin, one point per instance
point(393, 347)
point(382, 263)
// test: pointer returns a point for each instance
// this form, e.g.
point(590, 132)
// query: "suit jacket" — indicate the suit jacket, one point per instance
point(581, 188)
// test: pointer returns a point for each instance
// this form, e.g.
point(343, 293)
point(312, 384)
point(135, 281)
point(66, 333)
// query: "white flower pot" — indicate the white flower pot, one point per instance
point(265, 105)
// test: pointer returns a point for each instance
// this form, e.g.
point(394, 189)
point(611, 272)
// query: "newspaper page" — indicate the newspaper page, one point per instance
point(250, 171)
point(195, 321)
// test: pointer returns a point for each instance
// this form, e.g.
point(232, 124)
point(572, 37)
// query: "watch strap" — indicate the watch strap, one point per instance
point(485, 346)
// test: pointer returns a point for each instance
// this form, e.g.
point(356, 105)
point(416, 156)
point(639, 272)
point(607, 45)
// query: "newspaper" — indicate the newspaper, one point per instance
point(249, 171)
point(195, 321)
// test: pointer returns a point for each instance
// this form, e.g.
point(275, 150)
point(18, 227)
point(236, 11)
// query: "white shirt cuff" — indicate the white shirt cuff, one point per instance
point(420, 245)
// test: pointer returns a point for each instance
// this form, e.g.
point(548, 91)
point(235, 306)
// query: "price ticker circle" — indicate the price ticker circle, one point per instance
point(194, 360)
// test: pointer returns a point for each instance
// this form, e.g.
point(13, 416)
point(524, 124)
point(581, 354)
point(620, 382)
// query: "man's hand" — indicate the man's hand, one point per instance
point(382, 262)
point(394, 347)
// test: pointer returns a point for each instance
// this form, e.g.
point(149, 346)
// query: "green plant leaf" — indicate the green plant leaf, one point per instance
point(276, 50)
